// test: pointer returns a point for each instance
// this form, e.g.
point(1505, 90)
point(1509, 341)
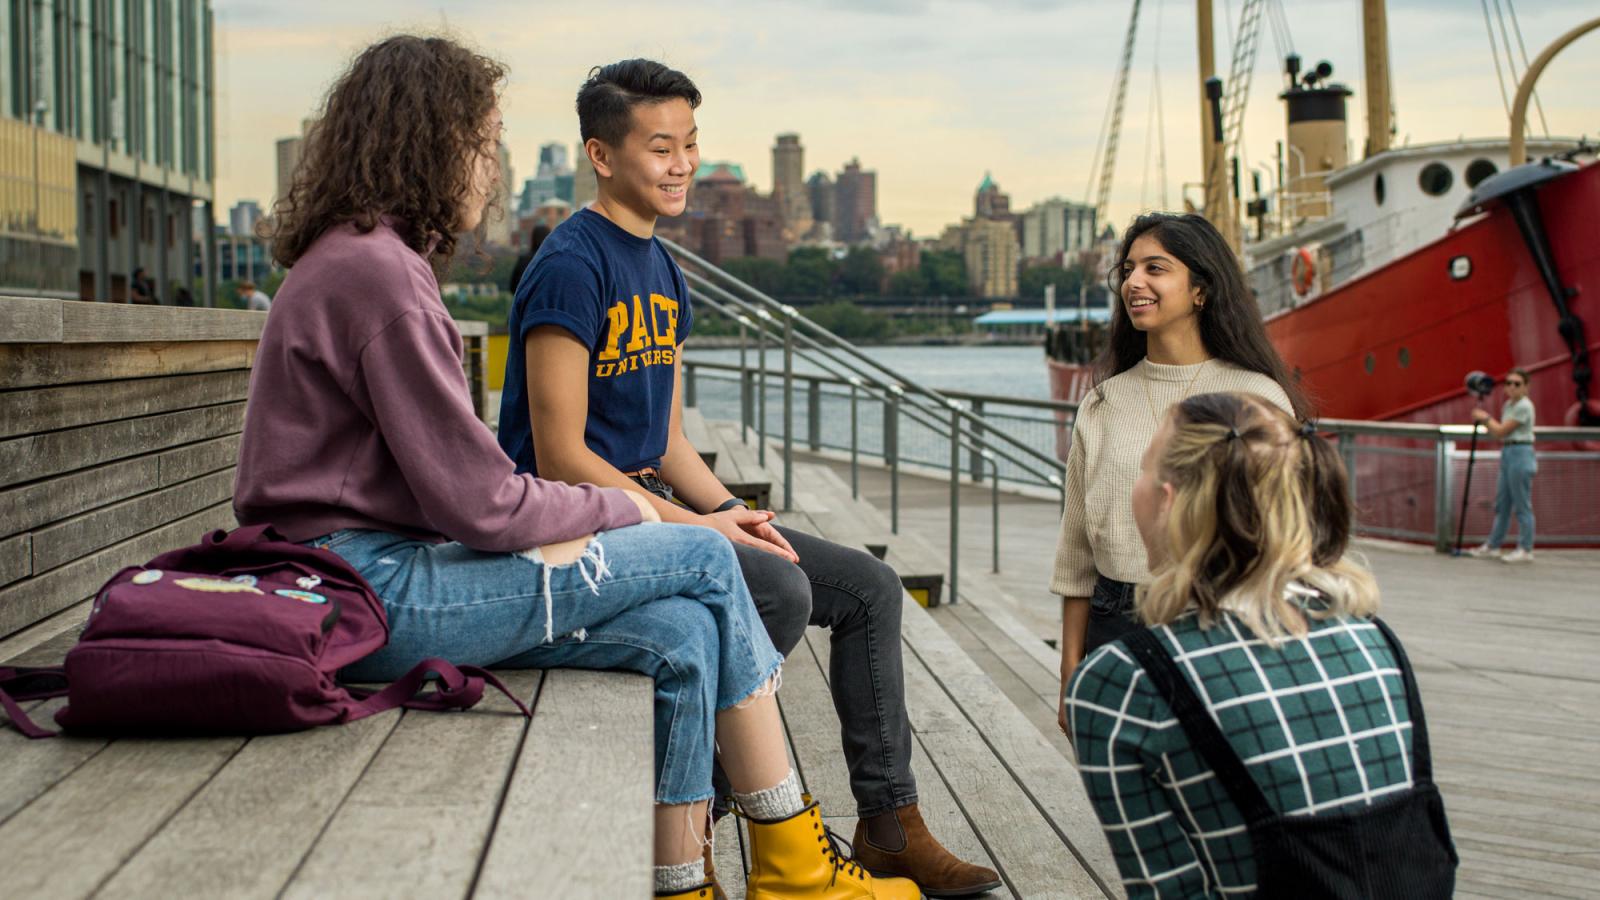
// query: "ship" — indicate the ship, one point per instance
point(1384, 281)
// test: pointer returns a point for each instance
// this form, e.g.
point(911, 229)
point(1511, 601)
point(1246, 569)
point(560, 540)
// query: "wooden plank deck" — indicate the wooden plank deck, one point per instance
point(481, 803)
point(1505, 655)
point(989, 779)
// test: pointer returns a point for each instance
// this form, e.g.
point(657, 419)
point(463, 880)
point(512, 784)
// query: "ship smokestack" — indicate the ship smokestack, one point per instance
point(1318, 136)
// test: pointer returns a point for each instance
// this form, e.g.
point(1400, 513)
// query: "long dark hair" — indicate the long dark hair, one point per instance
point(398, 137)
point(1230, 322)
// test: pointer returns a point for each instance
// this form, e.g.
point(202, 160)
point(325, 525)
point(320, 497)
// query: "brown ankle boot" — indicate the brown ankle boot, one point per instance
point(923, 860)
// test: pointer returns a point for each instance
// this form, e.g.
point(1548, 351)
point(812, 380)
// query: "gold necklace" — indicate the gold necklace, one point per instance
point(1186, 389)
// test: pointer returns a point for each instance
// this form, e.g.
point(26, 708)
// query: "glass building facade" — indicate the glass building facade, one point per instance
point(106, 145)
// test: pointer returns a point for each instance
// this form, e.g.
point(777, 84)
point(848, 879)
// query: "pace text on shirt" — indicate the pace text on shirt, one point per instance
point(639, 333)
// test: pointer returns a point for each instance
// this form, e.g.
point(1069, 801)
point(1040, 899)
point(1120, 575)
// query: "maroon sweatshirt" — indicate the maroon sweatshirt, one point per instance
point(360, 415)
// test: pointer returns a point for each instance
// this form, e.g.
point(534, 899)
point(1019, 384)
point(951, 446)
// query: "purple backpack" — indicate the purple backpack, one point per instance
point(243, 633)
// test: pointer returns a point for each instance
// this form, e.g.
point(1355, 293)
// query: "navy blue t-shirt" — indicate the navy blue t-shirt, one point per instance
point(625, 299)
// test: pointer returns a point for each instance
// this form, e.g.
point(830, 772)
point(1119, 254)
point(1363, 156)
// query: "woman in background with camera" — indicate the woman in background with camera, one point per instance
point(1513, 492)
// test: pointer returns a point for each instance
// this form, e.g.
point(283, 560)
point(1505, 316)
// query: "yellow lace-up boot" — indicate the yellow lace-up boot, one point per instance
point(799, 857)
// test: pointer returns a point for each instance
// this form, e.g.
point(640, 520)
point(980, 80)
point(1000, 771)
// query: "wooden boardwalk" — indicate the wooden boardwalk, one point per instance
point(1508, 658)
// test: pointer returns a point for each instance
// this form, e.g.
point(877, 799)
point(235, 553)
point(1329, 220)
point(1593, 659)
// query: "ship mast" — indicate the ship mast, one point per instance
point(1218, 204)
point(1375, 51)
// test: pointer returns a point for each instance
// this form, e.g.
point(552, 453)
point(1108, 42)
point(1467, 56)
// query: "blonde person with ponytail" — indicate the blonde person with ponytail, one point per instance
point(1263, 735)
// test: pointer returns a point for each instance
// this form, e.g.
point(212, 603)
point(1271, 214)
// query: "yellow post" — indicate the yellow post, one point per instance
point(1375, 43)
point(1519, 109)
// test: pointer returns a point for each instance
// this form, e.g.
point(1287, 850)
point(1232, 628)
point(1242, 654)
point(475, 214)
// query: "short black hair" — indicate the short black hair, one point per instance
point(607, 99)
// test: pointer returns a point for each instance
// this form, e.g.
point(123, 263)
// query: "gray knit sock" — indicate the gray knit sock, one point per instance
point(772, 804)
point(681, 877)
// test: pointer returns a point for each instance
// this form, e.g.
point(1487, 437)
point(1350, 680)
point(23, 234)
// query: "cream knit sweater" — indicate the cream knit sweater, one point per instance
point(1097, 529)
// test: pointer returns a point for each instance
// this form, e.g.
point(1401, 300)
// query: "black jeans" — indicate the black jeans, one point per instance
point(857, 597)
point(1110, 613)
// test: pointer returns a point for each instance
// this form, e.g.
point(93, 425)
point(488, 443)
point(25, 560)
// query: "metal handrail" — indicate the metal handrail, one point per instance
point(816, 330)
point(921, 415)
point(961, 438)
point(1025, 402)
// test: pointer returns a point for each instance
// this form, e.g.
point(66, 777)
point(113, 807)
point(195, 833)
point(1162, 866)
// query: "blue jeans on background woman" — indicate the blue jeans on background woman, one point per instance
point(1513, 495)
point(663, 600)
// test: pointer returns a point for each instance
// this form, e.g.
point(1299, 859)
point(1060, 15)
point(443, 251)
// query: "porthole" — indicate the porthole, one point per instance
point(1478, 170)
point(1461, 268)
point(1378, 189)
point(1371, 364)
point(1405, 358)
point(1435, 179)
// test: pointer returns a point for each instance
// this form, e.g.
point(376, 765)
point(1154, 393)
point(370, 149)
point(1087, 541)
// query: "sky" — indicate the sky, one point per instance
point(931, 94)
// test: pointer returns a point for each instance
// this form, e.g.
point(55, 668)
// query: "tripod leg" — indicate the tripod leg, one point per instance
point(1466, 490)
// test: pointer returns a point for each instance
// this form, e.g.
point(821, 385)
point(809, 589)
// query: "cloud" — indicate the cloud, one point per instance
point(930, 93)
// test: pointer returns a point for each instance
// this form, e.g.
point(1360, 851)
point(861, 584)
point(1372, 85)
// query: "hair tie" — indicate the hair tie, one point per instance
point(1233, 435)
point(1308, 430)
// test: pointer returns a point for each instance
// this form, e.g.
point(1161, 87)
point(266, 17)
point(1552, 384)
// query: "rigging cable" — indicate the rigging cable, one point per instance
point(1150, 120)
point(1517, 27)
point(1494, 50)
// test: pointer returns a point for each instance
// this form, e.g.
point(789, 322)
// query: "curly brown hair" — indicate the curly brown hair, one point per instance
point(399, 136)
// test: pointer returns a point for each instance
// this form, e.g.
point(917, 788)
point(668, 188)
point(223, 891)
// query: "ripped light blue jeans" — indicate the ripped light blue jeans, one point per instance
point(664, 600)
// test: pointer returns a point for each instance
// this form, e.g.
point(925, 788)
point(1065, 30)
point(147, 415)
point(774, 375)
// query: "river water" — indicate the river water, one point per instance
point(1009, 371)
point(1003, 371)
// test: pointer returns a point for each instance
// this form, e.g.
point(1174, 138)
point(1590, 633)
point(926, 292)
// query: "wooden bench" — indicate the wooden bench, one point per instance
point(119, 429)
point(992, 785)
point(734, 462)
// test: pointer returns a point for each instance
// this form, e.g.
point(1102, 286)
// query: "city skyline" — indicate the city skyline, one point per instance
point(931, 95)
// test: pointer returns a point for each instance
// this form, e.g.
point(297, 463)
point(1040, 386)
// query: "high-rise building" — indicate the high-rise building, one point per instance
point(789, 184)
point(553, 159)
point(989, 248)
point(289, 149)
point(242, 218)
point(554, 179)
point(1056, 231)
point(110, 116)
point(990, 202)
point(855, 212)
point(726, 218)
point(824, 202)
point(500, 223)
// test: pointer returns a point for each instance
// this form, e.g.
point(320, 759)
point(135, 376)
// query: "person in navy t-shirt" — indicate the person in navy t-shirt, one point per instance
point(596, 337)
point(622, 297)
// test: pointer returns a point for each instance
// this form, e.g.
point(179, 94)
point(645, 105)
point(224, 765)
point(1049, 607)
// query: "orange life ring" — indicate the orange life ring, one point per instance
point(1303, 271)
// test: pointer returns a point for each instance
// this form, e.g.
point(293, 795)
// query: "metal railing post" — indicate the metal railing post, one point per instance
point(744, 381)
point(977, 443)
point(955, 500)
point(855, 451)
point(788, 408)
point(1441, 494)
point(690, 398)
point(994, 510)
point(1347, 452)
point(761, 388)
point(814, 414)
point(891, 448)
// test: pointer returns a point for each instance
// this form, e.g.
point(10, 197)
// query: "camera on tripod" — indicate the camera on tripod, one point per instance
point(1480, 384)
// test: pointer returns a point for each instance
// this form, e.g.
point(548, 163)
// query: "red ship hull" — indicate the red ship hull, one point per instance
point(1396, 343)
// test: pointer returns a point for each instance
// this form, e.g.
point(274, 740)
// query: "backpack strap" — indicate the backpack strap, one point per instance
point(1203, 732)
point(458, 688)
point(1421, 755)
point(18, 684)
